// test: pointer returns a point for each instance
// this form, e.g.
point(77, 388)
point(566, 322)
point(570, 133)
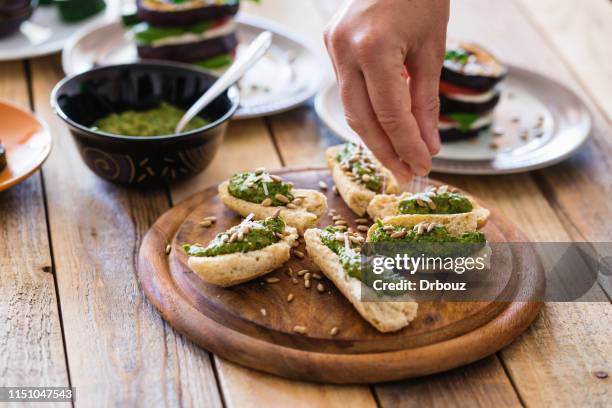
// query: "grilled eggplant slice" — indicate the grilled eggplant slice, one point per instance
point(172, 13)
point(471, 66)
point(191, 52)
point(478, 104)
point(462, 126)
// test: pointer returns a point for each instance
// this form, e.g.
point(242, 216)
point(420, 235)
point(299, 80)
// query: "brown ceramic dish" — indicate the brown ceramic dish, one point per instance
point(82, 99)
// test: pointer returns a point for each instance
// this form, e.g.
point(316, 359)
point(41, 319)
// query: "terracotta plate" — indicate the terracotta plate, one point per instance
point(27, 141)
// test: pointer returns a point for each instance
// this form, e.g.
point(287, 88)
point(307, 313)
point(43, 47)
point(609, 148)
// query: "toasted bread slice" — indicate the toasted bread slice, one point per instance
point(385, 316)
point(356, 195)
point(386, 205)
point(305, 216)
point(232, 269)
point(456, 224)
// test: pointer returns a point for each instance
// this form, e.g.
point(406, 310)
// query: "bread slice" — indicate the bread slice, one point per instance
point(305, 216)
point(386, 205)
point(356, 195)
point(384, 315)
point(232, 269)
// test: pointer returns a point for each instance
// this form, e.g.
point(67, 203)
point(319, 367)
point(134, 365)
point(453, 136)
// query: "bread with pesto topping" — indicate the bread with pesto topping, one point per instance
point(352, 188)
point(304, 216)
point(386, 205)
point(385, 316)
point(456, 224)
point(234, 268)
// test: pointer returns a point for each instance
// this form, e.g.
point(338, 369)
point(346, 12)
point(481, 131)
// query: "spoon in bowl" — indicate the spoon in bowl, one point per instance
point(243, 63)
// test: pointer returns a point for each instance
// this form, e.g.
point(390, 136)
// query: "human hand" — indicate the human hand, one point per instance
point(372, 43)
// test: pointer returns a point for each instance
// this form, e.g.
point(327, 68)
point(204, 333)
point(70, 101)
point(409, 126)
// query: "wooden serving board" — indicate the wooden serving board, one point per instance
point(230, 323)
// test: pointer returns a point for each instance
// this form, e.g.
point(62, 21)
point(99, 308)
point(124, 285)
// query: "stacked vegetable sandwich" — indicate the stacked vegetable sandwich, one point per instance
point(470, 88)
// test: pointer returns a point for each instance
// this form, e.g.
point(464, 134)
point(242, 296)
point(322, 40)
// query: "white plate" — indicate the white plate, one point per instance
point(286, 77)
point(528, 96)
point(44, 33)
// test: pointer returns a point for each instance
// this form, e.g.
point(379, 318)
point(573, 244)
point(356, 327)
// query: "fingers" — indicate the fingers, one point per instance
point(358, 111)
point(424, 68)
point(362, 119)
point(391, 101)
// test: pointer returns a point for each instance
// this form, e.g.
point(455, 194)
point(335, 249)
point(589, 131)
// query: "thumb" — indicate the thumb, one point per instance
point(424, 69)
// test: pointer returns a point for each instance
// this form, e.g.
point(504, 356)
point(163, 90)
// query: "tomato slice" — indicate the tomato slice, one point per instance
point(448, 88)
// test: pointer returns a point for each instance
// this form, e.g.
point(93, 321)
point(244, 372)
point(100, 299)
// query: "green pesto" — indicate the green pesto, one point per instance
point(445, 203)
point(248, 186)
point(350, 260)
point(358, 167)
point(262, 234)
point(438, 234)
point(458, 55)
point(153, 122)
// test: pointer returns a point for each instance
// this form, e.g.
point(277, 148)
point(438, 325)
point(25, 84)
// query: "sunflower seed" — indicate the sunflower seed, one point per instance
point(275, 178)
point(398, 234)
point(205, 224)
point(320, 288)
point(322, 185)
point(334, 331)
point(341, 227)
point(421, 203)
point(298, 201)
point(298, 254)
point(307, 284)
point(290, 298)
point(295, 281)
point(431, 227)
point(267, 202)
point(299, 329)
point(263, 312)
point(272, 280)
point(316, 276)
point(168, 249)
point(260, 170)
point(292, 206)
point(281, 198)
point(302, 272)
point(362, 221)
point(366, 178)
point(340, 222)
point(233, 237)
point(240, 236)
point(432, 205)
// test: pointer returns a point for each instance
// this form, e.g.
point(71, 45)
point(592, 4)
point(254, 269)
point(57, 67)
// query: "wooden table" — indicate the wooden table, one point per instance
point(72, 312)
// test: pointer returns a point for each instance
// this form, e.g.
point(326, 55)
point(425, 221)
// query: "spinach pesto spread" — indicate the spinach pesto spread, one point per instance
point(260, 187)
point(360, 166)
point(349, 255)
point(432, 239)
point(153, 122)
point(245, 237)
point(436, 201)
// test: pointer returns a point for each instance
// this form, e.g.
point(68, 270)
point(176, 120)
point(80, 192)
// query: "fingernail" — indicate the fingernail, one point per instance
point(435, 142)
point(420, 170)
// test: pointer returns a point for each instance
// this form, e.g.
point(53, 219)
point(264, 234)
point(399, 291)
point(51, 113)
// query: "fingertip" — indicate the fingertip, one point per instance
point(435, 143)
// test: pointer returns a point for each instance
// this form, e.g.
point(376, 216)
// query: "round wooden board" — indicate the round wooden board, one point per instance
point(229, 321)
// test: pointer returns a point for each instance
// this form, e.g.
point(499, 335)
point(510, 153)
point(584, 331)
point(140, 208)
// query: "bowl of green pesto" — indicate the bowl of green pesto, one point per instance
point(122, 118)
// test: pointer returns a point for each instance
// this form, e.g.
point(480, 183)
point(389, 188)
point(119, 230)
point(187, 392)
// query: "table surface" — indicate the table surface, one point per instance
point(72, 312)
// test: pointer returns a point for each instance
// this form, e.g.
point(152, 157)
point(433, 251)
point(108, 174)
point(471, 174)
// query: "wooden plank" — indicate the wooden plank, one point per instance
point(120, 352)
point(580, 35)
point(263, 390)
point(31, 348)
point(482, 384)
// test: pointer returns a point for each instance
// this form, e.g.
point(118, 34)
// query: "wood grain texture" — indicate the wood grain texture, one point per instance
point(31, 349)
point(579, 36)
point(120, 351)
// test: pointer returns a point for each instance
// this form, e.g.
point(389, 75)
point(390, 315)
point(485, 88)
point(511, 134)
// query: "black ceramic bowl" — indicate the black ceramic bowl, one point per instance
point(80, 100)
point(13, 13)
